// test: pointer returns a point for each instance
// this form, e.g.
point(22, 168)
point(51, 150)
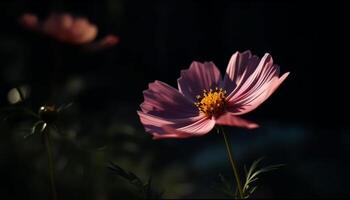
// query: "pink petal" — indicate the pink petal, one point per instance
point(240, 67)
point(265, 64)
point(198, 128)
point(176, 128)
point(198, 77)
point(255, 89)
point(229, 119)
point(154, 123)
point(57, 26)
point(64, 21)
point(248, 104)
point(260, 84)
point(66, 28)
point(82, 31)
point(90, 33)
point(165, 101)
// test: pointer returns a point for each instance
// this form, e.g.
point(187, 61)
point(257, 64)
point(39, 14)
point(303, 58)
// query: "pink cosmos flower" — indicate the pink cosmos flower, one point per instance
point(66, 28)
point(204, 99)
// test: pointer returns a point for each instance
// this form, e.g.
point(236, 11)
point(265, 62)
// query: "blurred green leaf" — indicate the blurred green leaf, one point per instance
point(145, 188)
point(227, 188)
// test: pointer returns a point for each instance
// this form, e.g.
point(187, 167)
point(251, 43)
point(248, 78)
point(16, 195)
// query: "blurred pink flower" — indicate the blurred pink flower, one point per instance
point(66, 28)
point(203, 99)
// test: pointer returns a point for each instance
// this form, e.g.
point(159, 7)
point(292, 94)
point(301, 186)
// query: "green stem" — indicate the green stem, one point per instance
point(233, 163)
point(48, 144)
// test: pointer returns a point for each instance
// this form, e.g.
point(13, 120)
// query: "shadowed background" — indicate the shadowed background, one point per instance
point(157, 40)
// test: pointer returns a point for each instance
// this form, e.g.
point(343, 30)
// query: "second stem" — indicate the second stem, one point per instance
point(48, 145)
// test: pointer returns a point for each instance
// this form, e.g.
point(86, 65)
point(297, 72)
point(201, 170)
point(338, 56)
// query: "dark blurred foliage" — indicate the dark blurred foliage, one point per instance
point(300, 126)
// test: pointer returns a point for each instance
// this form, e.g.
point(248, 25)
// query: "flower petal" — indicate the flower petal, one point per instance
point(165, 101)
point(240, 67)
point(176, 128)
point(198, 77)
point(82, 31)
point(255, 89)
point(198, 128)
point(265, 64)
point(155, 123)
point(257, 97)
point(229, 119)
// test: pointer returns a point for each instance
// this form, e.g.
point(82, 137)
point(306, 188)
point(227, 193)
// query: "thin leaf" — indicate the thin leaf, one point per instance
point(227, 187)
point(144, 188)
point(43, 127)
point(34, 128)
point(252, 176)
point(148, 188)
point(131, 177)
point(253, 189)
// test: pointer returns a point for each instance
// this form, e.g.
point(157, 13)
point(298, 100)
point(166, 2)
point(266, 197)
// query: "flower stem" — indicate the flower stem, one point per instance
point(233, 163)
point(48, 144)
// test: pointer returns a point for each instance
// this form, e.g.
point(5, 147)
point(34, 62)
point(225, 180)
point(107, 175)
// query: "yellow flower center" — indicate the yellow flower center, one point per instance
point(211, 102)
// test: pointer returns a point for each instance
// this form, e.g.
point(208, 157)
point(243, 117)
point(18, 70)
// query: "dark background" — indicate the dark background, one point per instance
point(301, 123)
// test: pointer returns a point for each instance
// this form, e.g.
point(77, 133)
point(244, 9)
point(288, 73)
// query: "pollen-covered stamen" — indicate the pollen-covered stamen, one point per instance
point(211, 102)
